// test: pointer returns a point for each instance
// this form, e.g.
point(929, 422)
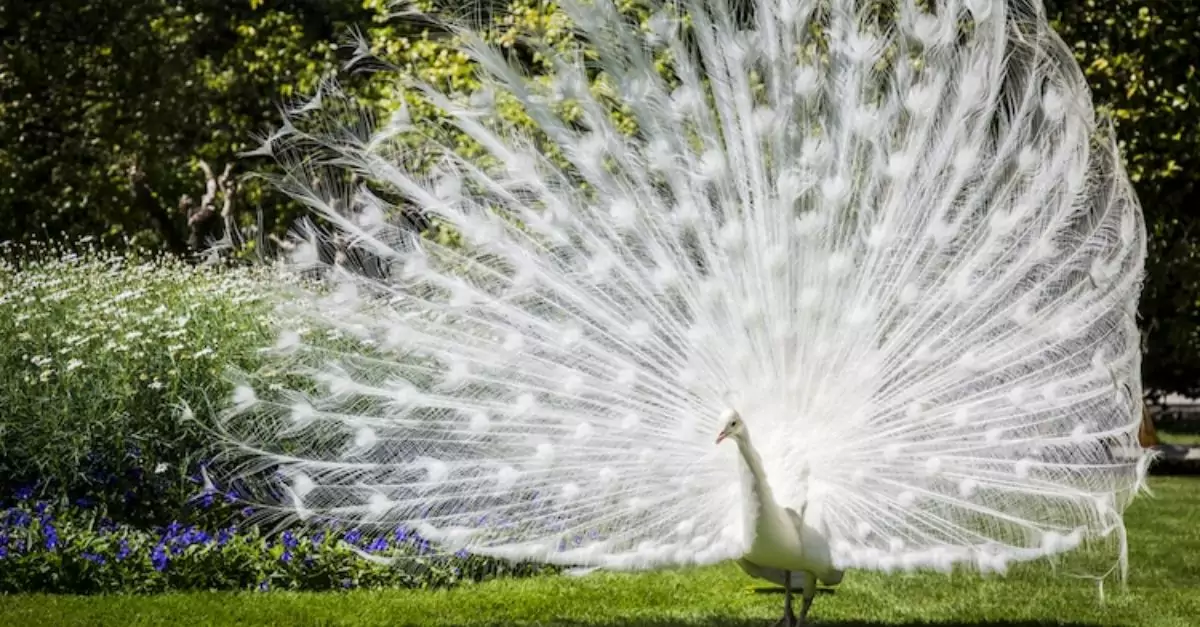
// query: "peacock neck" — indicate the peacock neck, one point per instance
point(758, 476)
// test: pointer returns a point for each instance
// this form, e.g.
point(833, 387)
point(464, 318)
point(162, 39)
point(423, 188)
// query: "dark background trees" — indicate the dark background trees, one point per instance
point(108, 107)
point(111, 111)
point(1142, 58)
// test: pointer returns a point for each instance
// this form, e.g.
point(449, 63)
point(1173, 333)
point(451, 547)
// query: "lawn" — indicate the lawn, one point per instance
point(1164, 591)
point(1182, 437)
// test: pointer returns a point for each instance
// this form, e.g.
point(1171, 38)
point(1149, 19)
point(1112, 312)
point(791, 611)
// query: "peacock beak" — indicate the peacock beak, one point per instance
point(721, 436)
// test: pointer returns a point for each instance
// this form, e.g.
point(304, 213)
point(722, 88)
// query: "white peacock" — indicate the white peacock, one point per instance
point(890, 239)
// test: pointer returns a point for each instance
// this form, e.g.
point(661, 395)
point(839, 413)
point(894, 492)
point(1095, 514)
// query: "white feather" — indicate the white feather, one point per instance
point(902, 260)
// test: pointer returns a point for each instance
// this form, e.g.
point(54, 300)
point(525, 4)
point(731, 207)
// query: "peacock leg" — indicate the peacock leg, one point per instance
point(809, 592)
point(789, 616)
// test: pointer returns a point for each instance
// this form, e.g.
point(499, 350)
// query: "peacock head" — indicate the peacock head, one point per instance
point(734, 427)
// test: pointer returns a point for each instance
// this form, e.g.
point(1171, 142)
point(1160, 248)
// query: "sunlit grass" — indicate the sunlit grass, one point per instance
point(1186, 439)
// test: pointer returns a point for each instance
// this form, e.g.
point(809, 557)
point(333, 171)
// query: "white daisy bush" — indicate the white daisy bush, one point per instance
point(101, 350)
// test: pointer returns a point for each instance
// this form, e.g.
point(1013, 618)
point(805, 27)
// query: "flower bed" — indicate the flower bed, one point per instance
point(100, 352)
point(76, 549)
point(100, 481)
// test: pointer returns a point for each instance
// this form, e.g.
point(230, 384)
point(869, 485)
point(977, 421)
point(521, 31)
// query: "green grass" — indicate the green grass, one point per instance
point(1187, 439)
point(1164, 578)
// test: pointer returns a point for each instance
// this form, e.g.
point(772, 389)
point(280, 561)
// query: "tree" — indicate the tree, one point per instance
point(108, 108)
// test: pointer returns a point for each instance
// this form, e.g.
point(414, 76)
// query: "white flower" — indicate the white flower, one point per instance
point(204, 352)
point(73, 364)
point(126, 295)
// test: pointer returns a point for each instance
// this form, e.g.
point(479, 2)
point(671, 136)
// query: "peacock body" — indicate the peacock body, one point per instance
point(889, 238)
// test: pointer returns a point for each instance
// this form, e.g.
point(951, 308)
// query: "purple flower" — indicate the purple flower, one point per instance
point(94, 558)
point(347, 583)
point(123, 550)
point(247, 511)
point(318, 537)
point(39, 510)
point(224, 535)
point(378, 544)
point(462, 554)
point(353, 536)
point(231, 496)
point(194, 536)
point(18, 518)
point(24, 493)
point(286, 558)
point(264, 586)
point(401, 534)
point(174, 528)
point(289, 540)
point(158, 557)
point(51, 537)
point(3, 551)
point(205, 498)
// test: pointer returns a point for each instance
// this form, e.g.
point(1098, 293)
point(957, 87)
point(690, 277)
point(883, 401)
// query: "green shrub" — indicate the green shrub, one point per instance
point(100, 351)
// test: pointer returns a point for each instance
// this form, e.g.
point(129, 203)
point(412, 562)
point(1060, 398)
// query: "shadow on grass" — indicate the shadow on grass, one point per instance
point(1178, 422)
point(779, 591)
point(816, 622)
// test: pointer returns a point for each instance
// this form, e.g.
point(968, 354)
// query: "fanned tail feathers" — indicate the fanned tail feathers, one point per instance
point(892, 236)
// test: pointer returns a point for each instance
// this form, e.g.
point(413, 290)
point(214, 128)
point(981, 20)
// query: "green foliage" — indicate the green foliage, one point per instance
point(100, 351)
point(106, 106)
